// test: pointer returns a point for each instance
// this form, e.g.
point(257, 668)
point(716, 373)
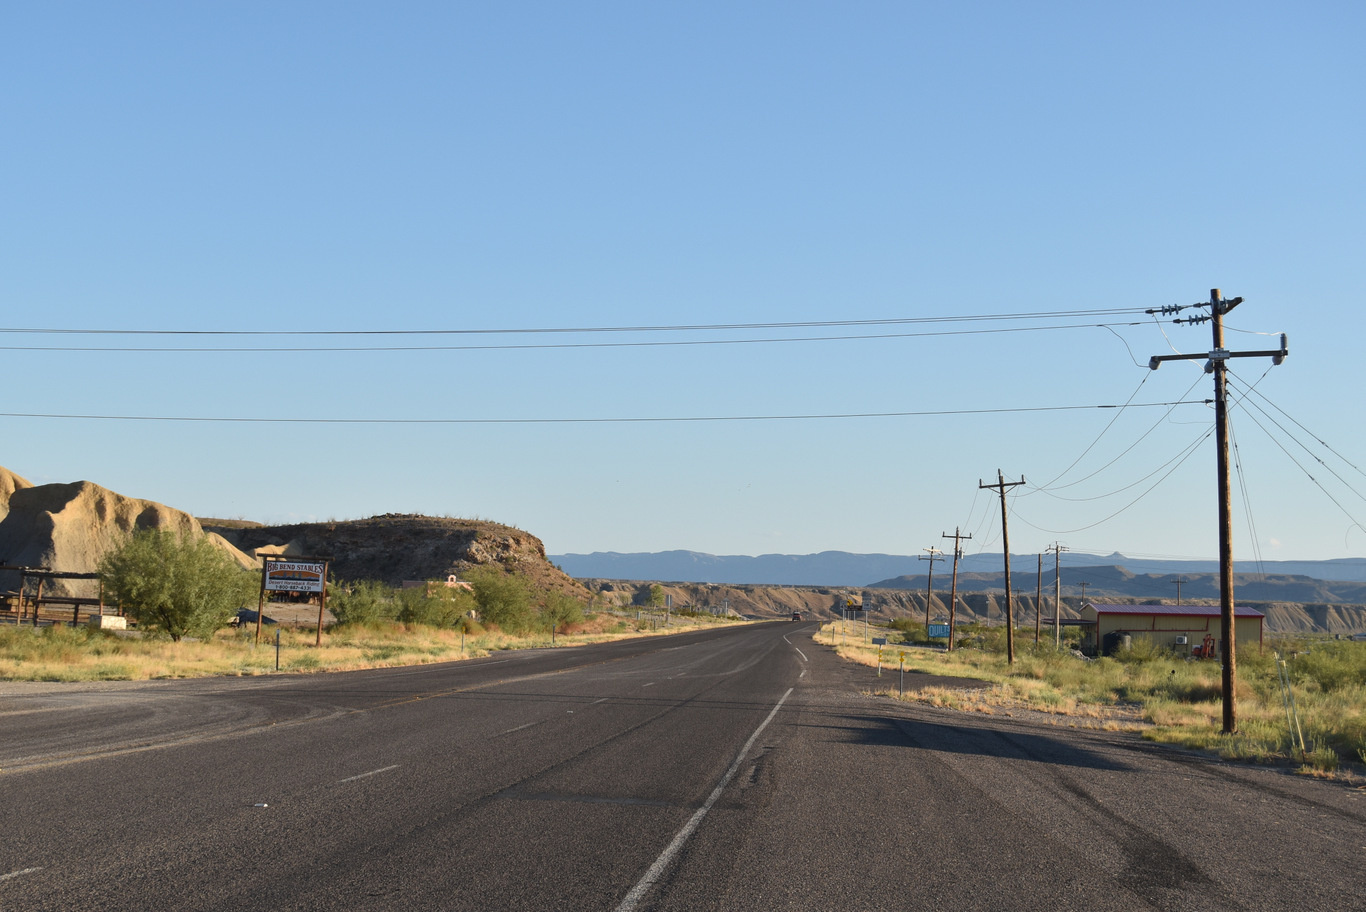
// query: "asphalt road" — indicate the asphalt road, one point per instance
point(737, 769)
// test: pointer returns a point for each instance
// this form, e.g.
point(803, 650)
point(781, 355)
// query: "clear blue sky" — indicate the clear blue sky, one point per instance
point(513, 166)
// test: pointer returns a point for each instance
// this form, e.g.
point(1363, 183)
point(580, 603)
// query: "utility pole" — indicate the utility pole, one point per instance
point(958, 539)
point(1218, 365)
point(1057, 549)
point(1178, 581)
point(1083, 584)
point(1002, 486)
point(934, 555)
point(1038, 602)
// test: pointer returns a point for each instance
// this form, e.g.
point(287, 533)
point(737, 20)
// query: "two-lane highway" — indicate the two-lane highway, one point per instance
point(544, 779)
point(742, 768)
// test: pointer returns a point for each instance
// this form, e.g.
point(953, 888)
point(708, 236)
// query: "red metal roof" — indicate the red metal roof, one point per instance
point(1180, 610)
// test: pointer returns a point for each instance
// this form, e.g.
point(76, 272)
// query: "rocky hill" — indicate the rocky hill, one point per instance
point(825, 603)
point(69, 527)
point(1119, 584)
point(395, 547)
point(841, 568)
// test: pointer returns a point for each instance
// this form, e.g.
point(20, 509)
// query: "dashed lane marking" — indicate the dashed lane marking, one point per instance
point(383, 769)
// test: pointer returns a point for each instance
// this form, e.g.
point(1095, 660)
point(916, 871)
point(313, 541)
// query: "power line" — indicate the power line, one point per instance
point(1246, 403)
point(697, 327)
point(1102, 433)
point(1291, 418)
point(1182, 458)
point(1132, 484)
point(539, 346)
point(625, 420)
point(1307, 474)
point(1048, 488)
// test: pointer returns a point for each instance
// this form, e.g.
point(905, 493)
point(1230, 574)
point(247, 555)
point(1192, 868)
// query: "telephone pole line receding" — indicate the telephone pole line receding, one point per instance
point(958, 539)
point(1057, 549)
point(1218, 365)
point(1038, 602)
point(934, 555)
point(1001, 487)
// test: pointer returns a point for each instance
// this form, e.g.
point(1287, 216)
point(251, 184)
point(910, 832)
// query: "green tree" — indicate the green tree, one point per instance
point(176, 586)
point(436, 604)
point(561, 610)
point(362, 602)
point(502, 598)
point(656, 599)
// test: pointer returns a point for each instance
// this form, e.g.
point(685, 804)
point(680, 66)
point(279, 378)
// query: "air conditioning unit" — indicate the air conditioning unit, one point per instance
point(1181, 641)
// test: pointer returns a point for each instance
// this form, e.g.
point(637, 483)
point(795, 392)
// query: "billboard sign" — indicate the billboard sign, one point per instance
point(295, 576)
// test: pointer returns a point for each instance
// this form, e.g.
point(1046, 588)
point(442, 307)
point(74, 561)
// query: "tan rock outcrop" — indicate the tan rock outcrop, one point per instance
point(70, 527)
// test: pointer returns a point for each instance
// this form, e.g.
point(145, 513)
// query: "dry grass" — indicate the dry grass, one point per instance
point(1168, 699)
point(80, 654)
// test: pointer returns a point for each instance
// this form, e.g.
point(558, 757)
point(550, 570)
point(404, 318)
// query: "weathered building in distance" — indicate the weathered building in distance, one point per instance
point(1184, 629)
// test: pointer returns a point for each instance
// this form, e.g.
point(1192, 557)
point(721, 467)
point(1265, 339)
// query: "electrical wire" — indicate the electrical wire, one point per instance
point(1034, 315)
point(1307, 474)
point(1247, 499)
point(1048, 489)
point(1246, 404)
point(1102, 433)
point(1132, 484)
point(1321, 442)
point(545, 345)
point(1162, 329)
point(629, 420)
point(1183, 457)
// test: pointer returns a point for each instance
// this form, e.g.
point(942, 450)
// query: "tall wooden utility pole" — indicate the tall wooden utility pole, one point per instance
point(958, 539)
point(1057, 549)
point(1002, 486)
point(934, 555)
point(1178, 581)
point(1217, 365)
point(1038, 603)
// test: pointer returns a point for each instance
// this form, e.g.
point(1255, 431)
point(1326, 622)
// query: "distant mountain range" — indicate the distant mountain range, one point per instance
point(842, 568)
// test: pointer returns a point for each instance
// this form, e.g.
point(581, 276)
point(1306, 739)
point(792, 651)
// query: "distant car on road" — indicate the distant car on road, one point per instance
point(796, 615)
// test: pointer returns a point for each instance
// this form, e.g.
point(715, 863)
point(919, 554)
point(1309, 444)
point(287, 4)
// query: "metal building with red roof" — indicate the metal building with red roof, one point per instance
point(1185, 629)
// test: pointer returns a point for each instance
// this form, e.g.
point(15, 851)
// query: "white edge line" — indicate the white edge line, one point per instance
point(651, 684)
point(14, 874)
point(371, 773)
point(596, 702)
point(802, 654)
point(656, 870)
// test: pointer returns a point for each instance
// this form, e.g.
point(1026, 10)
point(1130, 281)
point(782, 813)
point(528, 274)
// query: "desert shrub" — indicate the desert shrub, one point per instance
point(179, 586)
point(911, 631)
point(1140, 649)
point(502, 598)
point(360, 603)
point(1331, 665)
point(561, 610)
point(992, 639)
point(435, 606)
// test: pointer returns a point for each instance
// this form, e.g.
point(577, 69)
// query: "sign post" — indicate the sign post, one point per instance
point(288, 574)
